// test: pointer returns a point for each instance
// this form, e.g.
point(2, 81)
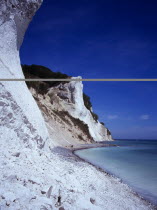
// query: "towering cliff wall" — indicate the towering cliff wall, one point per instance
point(19, 115)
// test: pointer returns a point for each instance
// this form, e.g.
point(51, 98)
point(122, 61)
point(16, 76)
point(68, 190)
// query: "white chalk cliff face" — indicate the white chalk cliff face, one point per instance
point(69, 97)
point(19, 115)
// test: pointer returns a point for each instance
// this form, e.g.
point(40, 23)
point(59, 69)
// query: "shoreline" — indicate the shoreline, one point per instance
point(99, 145)
point(89, 146)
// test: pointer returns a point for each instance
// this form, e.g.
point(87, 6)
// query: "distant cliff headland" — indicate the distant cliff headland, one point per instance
point(65, 104)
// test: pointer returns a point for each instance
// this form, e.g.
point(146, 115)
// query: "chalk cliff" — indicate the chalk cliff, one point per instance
point(65, 108)
point(69, 97)
point(19, 113)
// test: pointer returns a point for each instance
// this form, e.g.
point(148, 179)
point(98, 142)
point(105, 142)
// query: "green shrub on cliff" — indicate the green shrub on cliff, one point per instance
point(87, 101)
point(88, 105)
point(95, 116)
point(108, 132)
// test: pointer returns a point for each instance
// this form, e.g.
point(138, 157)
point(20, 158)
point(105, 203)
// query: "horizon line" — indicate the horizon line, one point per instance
point(80, 80)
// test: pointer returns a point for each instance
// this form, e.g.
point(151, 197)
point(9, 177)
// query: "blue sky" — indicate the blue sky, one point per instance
point(103, 39)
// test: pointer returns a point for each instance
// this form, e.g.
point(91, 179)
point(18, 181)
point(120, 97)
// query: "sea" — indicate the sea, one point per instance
point(133, 161)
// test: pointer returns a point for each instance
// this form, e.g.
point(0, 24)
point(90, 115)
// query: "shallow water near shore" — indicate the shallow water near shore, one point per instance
point(134, 161)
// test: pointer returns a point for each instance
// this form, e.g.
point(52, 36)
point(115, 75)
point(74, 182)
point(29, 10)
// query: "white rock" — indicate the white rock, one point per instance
point(19, 103)
point(69, 97)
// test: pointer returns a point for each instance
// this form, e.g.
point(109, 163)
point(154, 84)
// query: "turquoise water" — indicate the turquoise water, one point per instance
point(134, 161)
